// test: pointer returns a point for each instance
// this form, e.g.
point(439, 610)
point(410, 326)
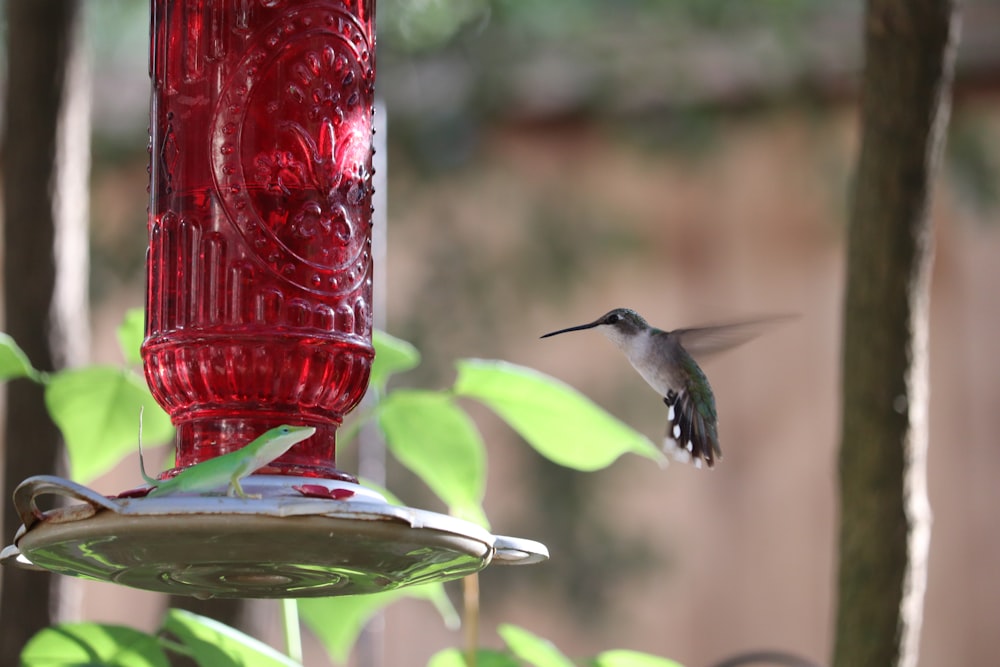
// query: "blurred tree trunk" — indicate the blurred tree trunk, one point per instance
point(42, 210)
point(885, 516)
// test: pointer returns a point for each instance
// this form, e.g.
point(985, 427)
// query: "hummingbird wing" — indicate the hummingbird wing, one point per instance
point(692, 422)
point(708, 340)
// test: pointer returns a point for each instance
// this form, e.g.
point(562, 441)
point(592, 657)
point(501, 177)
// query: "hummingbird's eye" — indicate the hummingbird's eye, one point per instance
point(614, 317)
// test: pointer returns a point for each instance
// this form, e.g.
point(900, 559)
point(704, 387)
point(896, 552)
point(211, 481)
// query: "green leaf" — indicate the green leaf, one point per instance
point(97, 410)
point(131, 333)
point(82, 644)
point(437, 596)
point(623, 658)
point(438, 442)
point(337, 621)
point(531, 648)
point(452, 657)
point(555, 419)
point(214, 644)
point(392, 355)
point(14, 363)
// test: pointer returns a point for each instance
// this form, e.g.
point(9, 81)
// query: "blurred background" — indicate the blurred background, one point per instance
point(548, 161)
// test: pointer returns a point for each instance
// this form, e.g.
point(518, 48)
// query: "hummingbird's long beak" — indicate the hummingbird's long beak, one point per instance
point(591, 325)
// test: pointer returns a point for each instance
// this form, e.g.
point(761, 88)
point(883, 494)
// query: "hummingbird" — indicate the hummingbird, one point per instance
point(664, 360)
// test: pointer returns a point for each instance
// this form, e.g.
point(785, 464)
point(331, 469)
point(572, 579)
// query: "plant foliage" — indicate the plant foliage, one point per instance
point(97, 409)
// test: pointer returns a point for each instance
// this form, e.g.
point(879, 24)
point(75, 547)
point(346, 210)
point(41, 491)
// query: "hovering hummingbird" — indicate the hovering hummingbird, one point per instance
point(664, 360)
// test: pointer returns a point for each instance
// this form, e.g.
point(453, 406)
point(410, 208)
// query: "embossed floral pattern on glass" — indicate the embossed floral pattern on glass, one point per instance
point(259, 264)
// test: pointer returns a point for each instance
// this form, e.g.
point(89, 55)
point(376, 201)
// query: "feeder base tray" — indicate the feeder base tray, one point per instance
point(278, 546)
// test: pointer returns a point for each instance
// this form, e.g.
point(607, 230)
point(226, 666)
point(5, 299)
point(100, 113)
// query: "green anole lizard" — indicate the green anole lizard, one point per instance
point(228, 468)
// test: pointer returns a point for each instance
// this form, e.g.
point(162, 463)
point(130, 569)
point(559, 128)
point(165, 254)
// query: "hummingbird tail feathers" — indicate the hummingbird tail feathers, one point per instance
point(690, 437)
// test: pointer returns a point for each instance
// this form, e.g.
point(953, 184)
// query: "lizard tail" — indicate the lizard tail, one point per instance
point(142, 465)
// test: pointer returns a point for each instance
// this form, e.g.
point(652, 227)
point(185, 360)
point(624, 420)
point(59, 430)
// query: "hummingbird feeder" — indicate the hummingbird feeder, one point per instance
point(258, 313)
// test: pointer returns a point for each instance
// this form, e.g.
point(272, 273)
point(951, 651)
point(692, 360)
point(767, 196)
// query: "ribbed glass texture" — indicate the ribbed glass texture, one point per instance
point(259, 261)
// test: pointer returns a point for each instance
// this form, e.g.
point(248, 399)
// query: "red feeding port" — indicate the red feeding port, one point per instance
point(259, 264)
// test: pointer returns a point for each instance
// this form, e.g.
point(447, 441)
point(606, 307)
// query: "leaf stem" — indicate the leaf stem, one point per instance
point(292, 631)
point(470, 602)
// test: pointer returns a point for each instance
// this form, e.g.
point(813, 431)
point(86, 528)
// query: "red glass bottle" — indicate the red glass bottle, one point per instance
point(259, 265)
